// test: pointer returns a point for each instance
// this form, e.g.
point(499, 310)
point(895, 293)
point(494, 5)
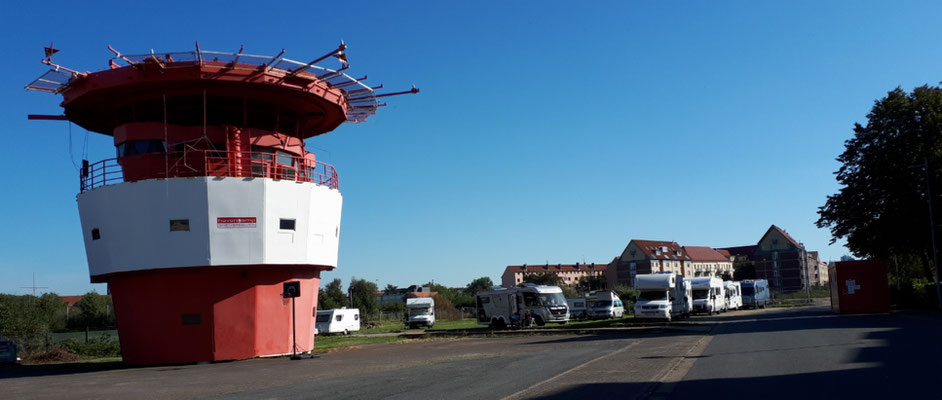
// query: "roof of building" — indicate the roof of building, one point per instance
point(71, 300)
point(724, 252)
point(740, 250)
point(704, 253)
point(556, 267)
point(785, 234)
point(661, 250)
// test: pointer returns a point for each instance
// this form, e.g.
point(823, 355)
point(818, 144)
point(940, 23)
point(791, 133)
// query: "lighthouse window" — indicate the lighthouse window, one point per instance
point(287, 224)
point(137, 147)
point(96, 234)
point(179, 225)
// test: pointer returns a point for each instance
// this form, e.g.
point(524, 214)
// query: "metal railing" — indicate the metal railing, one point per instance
point(214, 163)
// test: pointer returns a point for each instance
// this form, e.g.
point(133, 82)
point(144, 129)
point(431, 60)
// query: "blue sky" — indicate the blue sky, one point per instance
point(544, 132)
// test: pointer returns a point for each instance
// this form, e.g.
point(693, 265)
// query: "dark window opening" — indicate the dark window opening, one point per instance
point(137, 147)
point(286, 224)
point(179, 225)
point(192, 319)
point(96, 234)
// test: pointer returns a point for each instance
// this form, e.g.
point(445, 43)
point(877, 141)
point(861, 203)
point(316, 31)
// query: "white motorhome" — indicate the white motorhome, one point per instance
point(577, 308)
point(339, 320)
point(421, 312)
point(661, 296)
point(688, 294)
point(708, 296)
point(604, 304)
point(508, 307)
point(733, 295)
point(755, 293)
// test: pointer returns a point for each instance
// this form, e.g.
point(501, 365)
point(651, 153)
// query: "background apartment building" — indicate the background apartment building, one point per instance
point(569, 274)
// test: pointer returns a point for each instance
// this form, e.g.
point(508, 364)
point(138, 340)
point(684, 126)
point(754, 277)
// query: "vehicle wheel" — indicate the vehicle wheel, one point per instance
point(498, 323)
point(346, 332)
point(539, 321)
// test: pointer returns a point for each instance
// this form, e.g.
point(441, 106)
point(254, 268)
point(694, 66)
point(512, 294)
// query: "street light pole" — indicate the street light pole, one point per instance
point(935, 253)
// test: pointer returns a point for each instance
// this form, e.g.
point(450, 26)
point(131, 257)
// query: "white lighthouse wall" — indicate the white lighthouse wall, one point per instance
point(133, 219)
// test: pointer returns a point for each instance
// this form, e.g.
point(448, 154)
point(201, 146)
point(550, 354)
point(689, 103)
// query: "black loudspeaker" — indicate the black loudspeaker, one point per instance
point(292, 289)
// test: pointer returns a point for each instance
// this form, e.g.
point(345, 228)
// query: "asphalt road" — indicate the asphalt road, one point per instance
point(765, 354)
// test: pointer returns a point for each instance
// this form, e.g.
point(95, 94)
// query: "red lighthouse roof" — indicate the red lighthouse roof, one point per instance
point(301, 99)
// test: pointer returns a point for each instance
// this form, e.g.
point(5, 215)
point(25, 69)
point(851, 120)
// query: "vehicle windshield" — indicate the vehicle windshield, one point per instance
point(418, 311)
point(700, 294)
point(653, 295)
point(748, 290)
point(553, 299)
point(602, 304)
point(323, 317)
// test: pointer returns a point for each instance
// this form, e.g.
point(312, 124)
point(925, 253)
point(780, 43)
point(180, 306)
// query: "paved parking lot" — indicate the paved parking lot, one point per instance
point(792, 348)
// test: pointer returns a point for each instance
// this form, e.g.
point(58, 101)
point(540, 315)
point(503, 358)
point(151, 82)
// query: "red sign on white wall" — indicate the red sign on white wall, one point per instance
point(235, 222)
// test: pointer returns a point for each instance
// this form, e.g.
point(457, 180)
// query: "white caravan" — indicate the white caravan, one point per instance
point(421, 312)
point(502, 307)
point(661, 296)
point(604, 304)
point(733, 295)
point(577, 308)
point(708, 296)
point(755, 293)
point(339, 320)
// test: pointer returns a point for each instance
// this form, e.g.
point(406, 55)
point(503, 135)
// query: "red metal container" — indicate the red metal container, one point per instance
point(859, 287)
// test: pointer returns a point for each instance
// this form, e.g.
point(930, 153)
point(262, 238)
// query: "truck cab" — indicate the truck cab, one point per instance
point(708, 295)
point(755, 293)
point(421, 312)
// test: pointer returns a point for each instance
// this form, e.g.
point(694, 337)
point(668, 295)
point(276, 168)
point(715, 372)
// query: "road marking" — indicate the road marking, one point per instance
point(578, 367)
point(664, 385)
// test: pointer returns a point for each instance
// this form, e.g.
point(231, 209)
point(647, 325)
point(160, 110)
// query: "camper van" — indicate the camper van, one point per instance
point(508, 307)
point(708, 295)
point(421, 312)
point(755, 293)
point(661, 296)
point(688, 294)
point(604, 304)
point(733, 295)
point(339, 320)
point(577, 308)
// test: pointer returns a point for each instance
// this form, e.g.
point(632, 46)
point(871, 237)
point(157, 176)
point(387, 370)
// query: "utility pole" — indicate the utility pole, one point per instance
point(935, 253)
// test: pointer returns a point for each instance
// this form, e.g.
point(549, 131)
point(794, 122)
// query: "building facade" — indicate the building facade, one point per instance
point(705, 261)
point(778, 258)
point(569, 274)
point(645, 257)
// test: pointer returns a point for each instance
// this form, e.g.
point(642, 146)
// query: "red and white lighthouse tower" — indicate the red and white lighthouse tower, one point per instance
point(212, 202)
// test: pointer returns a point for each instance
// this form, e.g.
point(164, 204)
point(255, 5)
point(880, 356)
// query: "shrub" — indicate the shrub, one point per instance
point(99, 347)
point(54, 354)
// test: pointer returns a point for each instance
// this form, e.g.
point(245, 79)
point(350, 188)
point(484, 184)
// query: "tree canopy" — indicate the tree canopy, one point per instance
point(333, 297)
point(479, 285)
point(363, 293)
point(881, 208)
point(543, 278)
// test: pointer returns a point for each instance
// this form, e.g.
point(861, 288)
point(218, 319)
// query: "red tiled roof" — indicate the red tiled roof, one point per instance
point(703, 253)
point(71, 300)
point(724, 252)
point(556, 267)
point(654, 249)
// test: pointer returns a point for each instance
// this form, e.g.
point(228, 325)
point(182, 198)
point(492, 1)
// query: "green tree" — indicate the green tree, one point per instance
point(332, 297)
point(570, 292)
point(390, 289)
point(363, 293)
point(593, 282)
point(543, 278)
point(95, 311)
point(743, 270)
point(881, 208)
point(479, 285)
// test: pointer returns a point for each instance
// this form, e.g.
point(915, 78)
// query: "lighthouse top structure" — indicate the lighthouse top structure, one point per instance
point(295, 98)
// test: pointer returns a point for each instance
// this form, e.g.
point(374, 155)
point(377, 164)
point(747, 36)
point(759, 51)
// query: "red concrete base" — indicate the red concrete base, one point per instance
point(188, 315)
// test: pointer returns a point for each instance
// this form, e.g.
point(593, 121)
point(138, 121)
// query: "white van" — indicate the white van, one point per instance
point(421, 312)
point(755, 293)
point(708, 295)
point(661, 296)
point(733, 295)
point(340, 320)
point(604, 304)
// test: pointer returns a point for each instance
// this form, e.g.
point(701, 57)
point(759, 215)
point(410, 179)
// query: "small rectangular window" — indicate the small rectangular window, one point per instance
point(96, 234)
point(287, 224)
point(339, 317)
point(192, 319)
point(179, 225)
